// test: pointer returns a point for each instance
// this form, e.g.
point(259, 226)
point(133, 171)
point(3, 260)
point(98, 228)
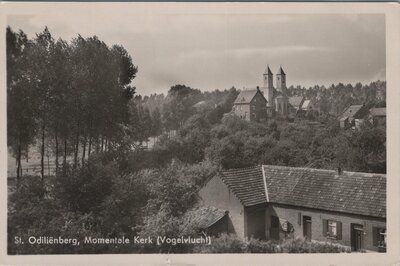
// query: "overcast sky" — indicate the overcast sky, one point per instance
point(217, 51)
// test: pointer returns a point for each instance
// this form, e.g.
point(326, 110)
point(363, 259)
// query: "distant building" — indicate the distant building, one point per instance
point(250, 105)
point(377, 115)
point(203, 105)
point(278, 101)
point(296, 104)
point(352, 116)
point(276, 202)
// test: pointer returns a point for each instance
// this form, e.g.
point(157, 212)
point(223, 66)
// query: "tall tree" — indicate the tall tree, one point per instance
point(21, 109)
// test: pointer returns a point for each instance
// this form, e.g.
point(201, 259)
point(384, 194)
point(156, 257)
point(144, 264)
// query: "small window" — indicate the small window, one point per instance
point(332, 229)
point(253, 107)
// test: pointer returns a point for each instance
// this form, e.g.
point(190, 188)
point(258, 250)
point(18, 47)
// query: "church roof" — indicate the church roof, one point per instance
point(281, 72)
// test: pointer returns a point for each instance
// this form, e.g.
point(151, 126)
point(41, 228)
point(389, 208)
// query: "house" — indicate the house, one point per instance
point(352, 116)
point(377, 115)
point(276, 202)
point(250, 105)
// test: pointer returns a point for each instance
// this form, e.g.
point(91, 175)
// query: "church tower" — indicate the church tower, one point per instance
point(281, 81)
point(281, 101)
point(268, 82)
point(268, 87)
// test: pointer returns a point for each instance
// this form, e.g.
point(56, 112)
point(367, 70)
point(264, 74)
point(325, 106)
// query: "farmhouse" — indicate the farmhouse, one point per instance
point(276, 202)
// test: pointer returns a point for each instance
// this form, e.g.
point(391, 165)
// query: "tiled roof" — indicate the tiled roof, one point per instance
point(351, 111)
point(245, 96)
point(296, 101)
point(378, 111)
point(204, 217)
point(246, 183)
point(350, 192)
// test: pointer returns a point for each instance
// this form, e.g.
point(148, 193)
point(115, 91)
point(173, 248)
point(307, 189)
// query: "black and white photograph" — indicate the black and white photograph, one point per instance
point(133, 130)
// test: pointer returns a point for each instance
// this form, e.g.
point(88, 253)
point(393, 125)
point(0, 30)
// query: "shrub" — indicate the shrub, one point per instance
point(258, 246)
point(223, 244)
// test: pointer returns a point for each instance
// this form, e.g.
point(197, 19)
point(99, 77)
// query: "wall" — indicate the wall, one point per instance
point(216, 193)
point(292, 215)
point(242, 111)
point(259, 113)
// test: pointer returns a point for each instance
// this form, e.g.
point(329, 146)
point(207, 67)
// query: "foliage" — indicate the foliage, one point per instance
point(226, 243)
point(232, 244)
point(84, 189)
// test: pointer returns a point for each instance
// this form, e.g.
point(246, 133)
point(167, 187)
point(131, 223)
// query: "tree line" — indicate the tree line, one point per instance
point(74, 96)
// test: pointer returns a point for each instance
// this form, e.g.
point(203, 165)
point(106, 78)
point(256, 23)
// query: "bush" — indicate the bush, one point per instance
point(223, 244)
point(258, 246)
point(233, 244)
point(84, 189)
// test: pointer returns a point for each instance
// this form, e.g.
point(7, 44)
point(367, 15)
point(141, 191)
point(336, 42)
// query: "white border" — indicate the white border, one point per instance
point(392, 12)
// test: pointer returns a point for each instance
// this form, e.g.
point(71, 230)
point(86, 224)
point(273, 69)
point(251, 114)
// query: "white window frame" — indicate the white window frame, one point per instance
point(332, 227)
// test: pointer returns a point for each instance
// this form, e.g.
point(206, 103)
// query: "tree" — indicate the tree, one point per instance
point(21, 109)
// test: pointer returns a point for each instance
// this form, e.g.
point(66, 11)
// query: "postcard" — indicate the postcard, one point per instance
point(200, 133)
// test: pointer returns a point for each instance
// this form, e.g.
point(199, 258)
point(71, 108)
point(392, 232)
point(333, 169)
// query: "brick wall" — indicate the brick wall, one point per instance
point(260, 110)
point(292, 215)
point(216, 193)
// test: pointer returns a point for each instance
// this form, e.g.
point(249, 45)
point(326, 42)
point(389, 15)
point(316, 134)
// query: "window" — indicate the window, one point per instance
point(253, 107)
point(379, 237)
point(332, 229)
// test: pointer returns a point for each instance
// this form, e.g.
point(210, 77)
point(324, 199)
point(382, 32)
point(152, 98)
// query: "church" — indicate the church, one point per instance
point(275, 101)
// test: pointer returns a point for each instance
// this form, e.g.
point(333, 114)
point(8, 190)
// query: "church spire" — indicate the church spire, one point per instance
point(281, 72)
point(268, 70)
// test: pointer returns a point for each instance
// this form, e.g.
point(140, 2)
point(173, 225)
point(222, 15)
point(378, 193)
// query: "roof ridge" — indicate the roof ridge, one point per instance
point(326, 170)
point(243, 168)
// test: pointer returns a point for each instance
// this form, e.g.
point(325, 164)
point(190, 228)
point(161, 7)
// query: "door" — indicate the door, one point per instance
point(307, 227)
point(256, 223)
point(274, 229)
point(357, 233)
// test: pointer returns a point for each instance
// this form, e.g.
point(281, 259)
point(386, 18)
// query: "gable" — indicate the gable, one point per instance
point(247, 184)
point(245, 97)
